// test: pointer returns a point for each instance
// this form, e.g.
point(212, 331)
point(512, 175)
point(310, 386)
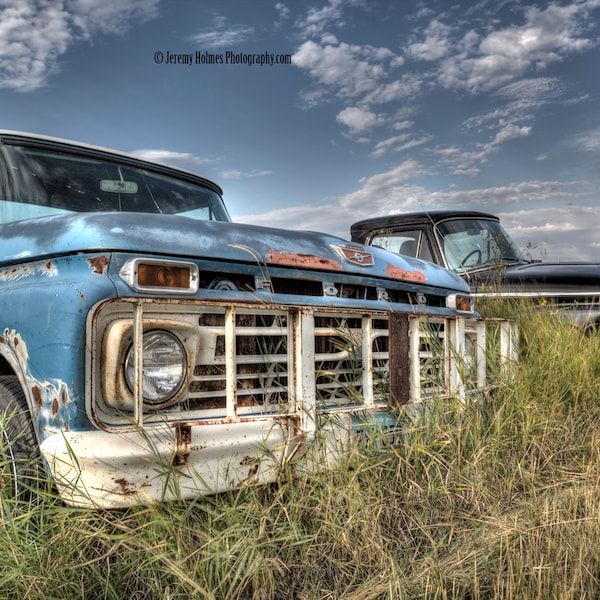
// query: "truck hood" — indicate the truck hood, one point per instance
point(176, 236)
point(545, 275)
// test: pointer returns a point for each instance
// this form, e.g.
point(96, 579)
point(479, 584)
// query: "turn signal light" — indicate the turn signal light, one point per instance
point(460, 303)
point(163, 276)
point(147, 275)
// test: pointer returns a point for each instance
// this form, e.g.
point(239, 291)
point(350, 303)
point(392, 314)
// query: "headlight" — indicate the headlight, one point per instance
point(164, 367)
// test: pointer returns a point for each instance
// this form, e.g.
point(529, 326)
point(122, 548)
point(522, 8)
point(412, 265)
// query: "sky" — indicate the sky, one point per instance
point(360, 108)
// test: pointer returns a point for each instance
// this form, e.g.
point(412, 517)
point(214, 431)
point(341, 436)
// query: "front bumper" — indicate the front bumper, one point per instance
point(97, 469)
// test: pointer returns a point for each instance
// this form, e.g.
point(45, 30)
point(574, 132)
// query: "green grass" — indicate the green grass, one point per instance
point(493, 500)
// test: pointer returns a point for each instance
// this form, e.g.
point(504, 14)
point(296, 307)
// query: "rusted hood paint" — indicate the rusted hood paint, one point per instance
point(174, 236)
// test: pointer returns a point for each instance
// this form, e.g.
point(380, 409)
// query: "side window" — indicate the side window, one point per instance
point(409, 243)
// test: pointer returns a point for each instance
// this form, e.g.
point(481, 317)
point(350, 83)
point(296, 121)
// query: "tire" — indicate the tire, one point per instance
point(20, 459)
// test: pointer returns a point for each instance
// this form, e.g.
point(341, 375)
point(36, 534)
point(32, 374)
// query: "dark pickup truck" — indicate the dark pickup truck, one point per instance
point(476, 246)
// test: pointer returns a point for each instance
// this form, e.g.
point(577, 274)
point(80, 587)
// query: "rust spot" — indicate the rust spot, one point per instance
point(302, 260)
point(16, 342)
point(37, 396)
point(183, 439)
point(54, 407)
point(63, 396)
point(49, 265)
point(253, 463)
point(126, 488)
point(98, 264)
point(398, 273)
point(2, 340)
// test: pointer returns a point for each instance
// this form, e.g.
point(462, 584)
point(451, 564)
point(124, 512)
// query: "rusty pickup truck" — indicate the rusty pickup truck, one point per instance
point(151, 349)
point(476, 246)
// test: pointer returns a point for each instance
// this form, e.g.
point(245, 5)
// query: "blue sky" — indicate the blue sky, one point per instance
point(385, 106)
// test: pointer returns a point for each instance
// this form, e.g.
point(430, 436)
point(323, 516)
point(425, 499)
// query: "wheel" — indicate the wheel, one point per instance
point(20, 459)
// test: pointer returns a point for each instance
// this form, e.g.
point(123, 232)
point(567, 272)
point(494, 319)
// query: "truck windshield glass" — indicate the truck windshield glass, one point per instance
point(37, 182)
point(470, 244)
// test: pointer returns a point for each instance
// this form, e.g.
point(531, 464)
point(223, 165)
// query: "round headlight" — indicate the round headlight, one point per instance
point(164, 367)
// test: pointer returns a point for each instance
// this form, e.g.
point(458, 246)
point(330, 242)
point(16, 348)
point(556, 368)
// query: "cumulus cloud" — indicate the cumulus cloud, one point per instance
point(510, 132)
point(348, 70)
point(34, 35)
point(545, 37)
point(392, 192)
point(358, 120)
point(436, 44)
point(318, 20)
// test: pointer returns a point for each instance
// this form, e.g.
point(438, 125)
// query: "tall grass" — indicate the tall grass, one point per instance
point(489, 500)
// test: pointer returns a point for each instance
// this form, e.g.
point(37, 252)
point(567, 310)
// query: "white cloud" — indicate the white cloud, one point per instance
point(283, 11)
point(407, 86)
point(318, 20)
point(437, 42)
point(34, 35)
point(398, 143)
point(588, 141)
point(386, 190)
point(348, 70)
point(560, 233)
point(181, 160)
point(547, 36)
point(221, 35)
point(236, 174)
point(510, 132)
point(358, 120)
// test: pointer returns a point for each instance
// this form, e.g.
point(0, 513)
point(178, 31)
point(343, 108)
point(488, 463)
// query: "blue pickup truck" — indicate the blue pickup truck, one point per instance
point(151, 349)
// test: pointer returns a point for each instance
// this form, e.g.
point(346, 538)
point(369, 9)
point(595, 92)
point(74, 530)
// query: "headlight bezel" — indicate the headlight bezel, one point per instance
point(114, 395)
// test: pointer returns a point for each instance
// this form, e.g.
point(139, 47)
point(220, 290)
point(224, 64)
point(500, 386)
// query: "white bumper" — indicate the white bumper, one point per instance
point(116, 470)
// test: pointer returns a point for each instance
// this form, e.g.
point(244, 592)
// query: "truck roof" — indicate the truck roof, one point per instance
point(417, 218)
point(8, 136)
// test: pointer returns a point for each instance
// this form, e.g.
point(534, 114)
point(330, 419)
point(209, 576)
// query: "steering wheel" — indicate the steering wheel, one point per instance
point(468, 256)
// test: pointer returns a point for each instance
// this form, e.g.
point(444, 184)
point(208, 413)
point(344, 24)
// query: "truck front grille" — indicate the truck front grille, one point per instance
point(255, 362)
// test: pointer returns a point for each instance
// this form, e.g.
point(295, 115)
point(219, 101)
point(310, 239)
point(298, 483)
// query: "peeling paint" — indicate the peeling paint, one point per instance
point(50, 399)
point(397, 273)
point(307, 261)
point(98, 264)
point(46, 268)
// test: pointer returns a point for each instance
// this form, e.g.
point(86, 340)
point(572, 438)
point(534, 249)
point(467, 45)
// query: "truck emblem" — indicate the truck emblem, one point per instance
point(356, 255)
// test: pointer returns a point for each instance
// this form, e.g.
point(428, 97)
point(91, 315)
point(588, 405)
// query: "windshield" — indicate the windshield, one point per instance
point(38, 182)
point(476, 243)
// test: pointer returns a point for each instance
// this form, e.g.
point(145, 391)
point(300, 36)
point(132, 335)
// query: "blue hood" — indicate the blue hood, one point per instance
point(175, 236)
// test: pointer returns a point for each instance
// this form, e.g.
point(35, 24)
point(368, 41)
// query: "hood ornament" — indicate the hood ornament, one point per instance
point(357, 255)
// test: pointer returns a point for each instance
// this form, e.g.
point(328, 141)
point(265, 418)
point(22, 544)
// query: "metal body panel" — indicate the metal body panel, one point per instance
point(175, 236)
point(43, 306)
